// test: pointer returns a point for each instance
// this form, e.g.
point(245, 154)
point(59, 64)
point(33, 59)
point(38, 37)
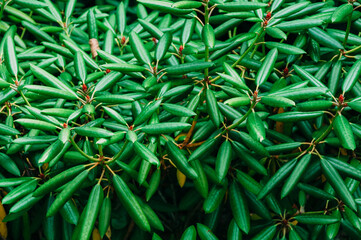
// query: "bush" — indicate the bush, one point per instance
point(159, 119)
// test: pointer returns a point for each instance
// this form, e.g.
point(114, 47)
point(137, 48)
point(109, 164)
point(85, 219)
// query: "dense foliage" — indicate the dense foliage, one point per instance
point(172, 120)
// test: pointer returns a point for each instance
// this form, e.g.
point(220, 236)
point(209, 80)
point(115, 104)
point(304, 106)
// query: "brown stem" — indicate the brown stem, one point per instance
point(189, 134)
point(129, 231)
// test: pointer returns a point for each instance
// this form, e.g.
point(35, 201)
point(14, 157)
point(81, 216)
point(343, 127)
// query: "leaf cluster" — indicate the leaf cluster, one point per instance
point(163, 119)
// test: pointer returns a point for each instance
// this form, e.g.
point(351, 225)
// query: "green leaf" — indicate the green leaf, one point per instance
point(355, 105)
point(115, 115)
point(127, 198)
point(19, 14)
point(333, 229)
point(36, 124)
point(215, 197)
point(205, 233)
point(293, 8)
point(188, 30)
point(238, 6)
point(315, 105)
point(281, 174)
point(188, 68)
point(296, 175)
point(166, 7)
point(49, 80)
point(275, 32)
point(338, 184)
point(6, 130)
point(234, 81)
point(342, 12)
point(9, 165)
point(283, 147)
point(224, 157)
point(352, 75)
point(266, 234)
point(20, 192)
point(295, 116)
point(24, 204)
point(93, 132)
point(147, 112)
point(189, 234)
point(314, 191)
point(307, 76)
point(69, 10)
point(121, 17)
point(163, 46)
point(251, 143)
point(212, 108)
point(238, 101)
point(149, 27)
point(316, 219)
point(138, 49)
point(255, 127)
point(10, 182)
point(180, 160)
point(32, 4)
point(324, 38)
point(104, 216)
point(67, 192)
point(106, 82)
point(35, 30)
point(285, 48)
point(35, 139)
point(248, 159)
point(187, 4)
point(208, 35)
point(4, 84)
point(113, 98)
point(300, 93)
point(92, 26)
point(59, 180)
point(203, 149)
point(91, 212)
point(230, 71)
point(177, 110)
point(54, 11)
point(145, 153)
point(344, 132)
point(349, 170)
point(123, 67)
point(352, 218)
point(340, 36)
point(51, 92)
point(11, 60)
point(267, 67)
point(298, 25)
point(274, 101)
point(80, 68)
point(52, 151)
point(165, 128)
point(70, 212)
